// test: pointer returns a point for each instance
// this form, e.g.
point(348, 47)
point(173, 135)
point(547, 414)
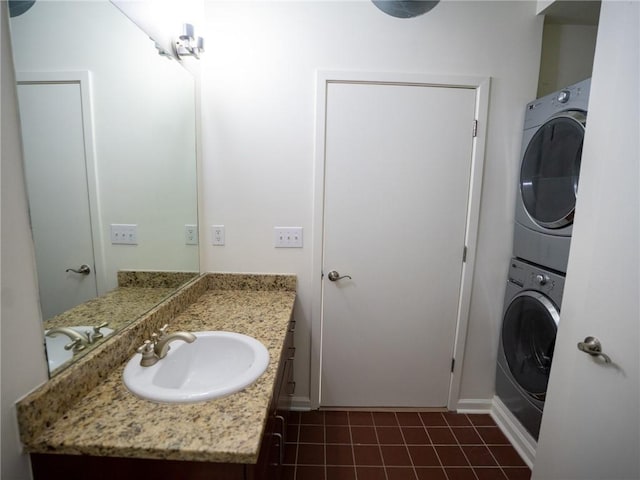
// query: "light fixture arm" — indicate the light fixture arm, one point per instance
point(187, 44)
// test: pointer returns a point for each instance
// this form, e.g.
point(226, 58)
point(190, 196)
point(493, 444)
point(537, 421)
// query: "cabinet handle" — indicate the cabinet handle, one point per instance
point(293, 353)
point(293, 390)
point(280, 450)
point(281, 418)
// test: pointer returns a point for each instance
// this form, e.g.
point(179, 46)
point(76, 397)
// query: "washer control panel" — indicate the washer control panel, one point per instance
point(573, 97)
point(528, 276)
point(563, 96)
point(541, 281)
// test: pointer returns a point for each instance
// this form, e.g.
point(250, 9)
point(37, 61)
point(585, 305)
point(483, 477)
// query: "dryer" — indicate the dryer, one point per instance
point(554, 128)
point(529, 325)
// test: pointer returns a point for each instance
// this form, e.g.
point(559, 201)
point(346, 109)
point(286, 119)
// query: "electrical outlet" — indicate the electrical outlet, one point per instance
point(191, 235)
point(287, 237)
point(217, 235)
point(124, 234)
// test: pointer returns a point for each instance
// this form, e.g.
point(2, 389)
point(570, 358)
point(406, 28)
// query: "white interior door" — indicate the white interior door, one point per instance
point(591, 422)
point(397, 172)
point(56, 175)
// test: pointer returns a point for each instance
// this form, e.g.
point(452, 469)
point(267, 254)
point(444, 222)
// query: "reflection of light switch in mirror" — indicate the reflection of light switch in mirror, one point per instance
point(217, 234)
point(124, 234)
point(191, 235)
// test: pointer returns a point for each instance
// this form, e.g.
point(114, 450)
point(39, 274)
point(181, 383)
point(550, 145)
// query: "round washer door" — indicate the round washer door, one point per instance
point(528, 337)
point(550, 169)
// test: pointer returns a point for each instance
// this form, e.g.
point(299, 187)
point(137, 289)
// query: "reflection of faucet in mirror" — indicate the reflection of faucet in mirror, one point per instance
point(79, 341)
point(99, 121)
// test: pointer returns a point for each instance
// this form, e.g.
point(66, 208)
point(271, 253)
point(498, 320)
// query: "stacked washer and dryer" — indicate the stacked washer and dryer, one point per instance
point(554, 128)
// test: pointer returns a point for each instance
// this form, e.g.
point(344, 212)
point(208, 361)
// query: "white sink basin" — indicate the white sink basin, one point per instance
point(216, 364)
point(57, 355)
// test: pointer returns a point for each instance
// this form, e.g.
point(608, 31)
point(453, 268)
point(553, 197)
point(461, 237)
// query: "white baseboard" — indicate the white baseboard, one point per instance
point(521, 440)
point(301, 404)
point(474, 405)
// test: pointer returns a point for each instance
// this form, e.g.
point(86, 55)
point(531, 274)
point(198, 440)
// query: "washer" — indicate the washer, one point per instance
point(529, 325)
point(554, 128)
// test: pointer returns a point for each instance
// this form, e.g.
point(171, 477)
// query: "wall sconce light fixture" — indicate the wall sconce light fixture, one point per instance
point(187, 44)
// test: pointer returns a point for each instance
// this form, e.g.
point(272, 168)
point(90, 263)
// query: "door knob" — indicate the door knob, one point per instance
point(333, 276)
point(593, 347)
point(84, 270)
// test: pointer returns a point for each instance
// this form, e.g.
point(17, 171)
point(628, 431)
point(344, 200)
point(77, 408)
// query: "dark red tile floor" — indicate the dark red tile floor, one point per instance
point(354, 445)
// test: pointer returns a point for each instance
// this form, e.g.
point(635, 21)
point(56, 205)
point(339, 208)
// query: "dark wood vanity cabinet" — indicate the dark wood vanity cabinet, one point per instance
point(268, 467)
point(273, 442)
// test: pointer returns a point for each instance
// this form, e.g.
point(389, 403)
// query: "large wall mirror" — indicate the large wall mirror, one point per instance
point(108, 127)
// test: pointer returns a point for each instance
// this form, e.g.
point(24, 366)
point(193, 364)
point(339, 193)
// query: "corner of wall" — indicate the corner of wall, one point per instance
point(23, 363)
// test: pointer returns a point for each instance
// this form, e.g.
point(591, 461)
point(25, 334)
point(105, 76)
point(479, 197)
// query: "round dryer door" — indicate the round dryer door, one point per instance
point(550, 170)
point(528, 338)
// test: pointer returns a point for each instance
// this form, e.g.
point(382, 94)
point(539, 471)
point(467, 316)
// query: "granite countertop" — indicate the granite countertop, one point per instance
point(110, 421)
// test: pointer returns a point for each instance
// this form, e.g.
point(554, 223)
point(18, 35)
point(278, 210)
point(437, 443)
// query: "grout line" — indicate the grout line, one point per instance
point(295, 460)
point(490, 452)
point(352, 450)
point(375, 431)
point(433, 445)
point(473, 468)
point(406, 446)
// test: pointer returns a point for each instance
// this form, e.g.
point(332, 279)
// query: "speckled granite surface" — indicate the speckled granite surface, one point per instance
point(118, 307)
point(137, 293)
point(100, 417)
point(140, 278)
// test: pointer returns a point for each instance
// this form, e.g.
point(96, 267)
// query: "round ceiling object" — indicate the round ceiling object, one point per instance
point(405, 8)
point(18, 7)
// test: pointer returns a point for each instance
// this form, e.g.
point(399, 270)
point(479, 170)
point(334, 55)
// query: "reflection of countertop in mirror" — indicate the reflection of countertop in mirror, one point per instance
point(118, 307)
point(138, 292)
point(102, 418)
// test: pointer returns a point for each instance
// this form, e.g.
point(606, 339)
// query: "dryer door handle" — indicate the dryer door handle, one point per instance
point(593, 347)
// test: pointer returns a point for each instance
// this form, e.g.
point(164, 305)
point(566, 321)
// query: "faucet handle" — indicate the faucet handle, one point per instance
point(97, 334)
point(148, 354)
point(146, 347)
point(76, 344)
point(163, 330)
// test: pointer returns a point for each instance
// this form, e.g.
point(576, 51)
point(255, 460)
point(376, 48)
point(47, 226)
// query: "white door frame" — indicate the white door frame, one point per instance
point(481, 86)
point(83, 79)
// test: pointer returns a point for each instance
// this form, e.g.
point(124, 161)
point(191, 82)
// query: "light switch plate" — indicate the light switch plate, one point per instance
point(287, 237)
point(124, 234)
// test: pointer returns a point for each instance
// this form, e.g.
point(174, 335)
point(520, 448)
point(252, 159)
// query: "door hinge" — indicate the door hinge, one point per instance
point(453, 364)
point(475, 128)
point(464, 254)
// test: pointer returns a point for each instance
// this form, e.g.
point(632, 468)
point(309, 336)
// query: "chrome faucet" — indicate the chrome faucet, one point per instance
point(152, 351)
point(79, 341)
point(162, 345)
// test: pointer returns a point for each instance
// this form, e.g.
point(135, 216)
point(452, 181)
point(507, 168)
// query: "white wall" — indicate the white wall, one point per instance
point(23, 366)
point(144, 125)
point(259, 123)
point(567, 55)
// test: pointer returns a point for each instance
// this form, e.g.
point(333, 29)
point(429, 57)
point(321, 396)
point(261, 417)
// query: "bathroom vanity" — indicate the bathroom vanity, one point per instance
point(84, 423)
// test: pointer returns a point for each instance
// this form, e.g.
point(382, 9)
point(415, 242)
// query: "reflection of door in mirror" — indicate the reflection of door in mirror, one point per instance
point(137, 122)
point(53, 126)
